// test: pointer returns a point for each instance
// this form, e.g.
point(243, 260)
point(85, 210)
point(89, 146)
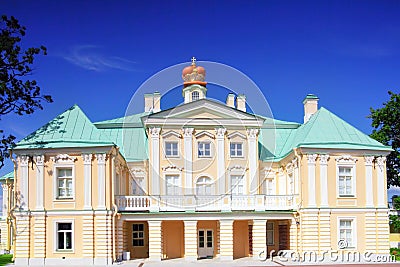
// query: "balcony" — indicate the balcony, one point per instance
point(206, 203)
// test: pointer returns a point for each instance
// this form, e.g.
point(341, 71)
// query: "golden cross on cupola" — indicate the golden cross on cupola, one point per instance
point(193, 61)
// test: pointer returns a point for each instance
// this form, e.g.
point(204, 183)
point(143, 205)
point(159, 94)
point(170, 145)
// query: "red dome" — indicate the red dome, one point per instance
point(187, 70)
point(201, 70)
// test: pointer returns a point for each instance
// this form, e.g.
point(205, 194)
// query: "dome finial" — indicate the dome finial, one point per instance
point(193, 61)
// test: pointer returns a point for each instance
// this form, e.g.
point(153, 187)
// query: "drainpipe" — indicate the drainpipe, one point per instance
point(114, 207)
point(11, 215)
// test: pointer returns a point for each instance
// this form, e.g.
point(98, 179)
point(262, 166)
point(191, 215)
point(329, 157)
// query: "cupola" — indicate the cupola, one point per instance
point(194, 85)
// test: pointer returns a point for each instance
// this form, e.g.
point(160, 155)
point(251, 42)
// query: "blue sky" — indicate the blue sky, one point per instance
point(100, 52)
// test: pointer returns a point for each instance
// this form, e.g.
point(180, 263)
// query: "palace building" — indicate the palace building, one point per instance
point(196, 181)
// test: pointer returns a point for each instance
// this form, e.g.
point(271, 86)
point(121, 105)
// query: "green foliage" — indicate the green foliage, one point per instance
point(18, 94)
point(386, 123)
point(5, 259)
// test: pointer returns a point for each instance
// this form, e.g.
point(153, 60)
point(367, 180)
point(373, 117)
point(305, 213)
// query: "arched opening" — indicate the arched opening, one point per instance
point(195, 96)
point(204, 186)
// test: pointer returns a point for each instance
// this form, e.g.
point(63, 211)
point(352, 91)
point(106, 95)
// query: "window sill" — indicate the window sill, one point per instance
point(71, 199)
point(237, 157)
point(347, 196)
point(64, 251)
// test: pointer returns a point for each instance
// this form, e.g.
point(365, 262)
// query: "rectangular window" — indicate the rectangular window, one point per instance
point(346, 181)
point(346, 232)
point(64, 236)
point(64, 183)
point(270, 233)
point(236, 150)
point(172, 185)
point(138, 234)
point(171, 149)
point(270, 187)
point(204, 149)
point(237, 184)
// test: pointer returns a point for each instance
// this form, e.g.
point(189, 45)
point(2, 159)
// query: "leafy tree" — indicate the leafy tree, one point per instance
point(18, 94)
point(394, 219)
point(386, 121)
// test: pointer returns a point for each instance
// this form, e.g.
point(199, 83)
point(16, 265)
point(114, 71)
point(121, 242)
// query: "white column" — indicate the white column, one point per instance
point(259, 238)
point(253, 159)
point(311, 159)
point(154, 134)
point(24, 189)
point(323, 167)
point(5, 201)
point(188, 157)
point(282, 182)
point(155, 250)
point(190, 240)
point(87, 181)
point(220, 136)
point(226, 239)
point(296, 176)
point(382, 203)
point(101, 172)
point(39, 182)
point(369, 193)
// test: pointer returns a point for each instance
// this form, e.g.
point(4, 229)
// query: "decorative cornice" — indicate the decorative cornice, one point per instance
point(87, 158)
point(187, 132)
point(312, 158)
point(39, 159)
point(63, 158)
point(236, 133)
point(220, 132)
point(323, 159)
point(137, 172)
point(267, 171)
point(237, 168)
point(346, 159)
point(154, 132)
point(171, 133)
point(252, 133)
point(197, 135)
point(171, 167)
point(369, 160)
point(101, 158)
point(381, 162)
point(295, 163)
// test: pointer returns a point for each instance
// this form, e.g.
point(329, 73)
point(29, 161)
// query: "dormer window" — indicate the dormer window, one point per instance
point(195, 96)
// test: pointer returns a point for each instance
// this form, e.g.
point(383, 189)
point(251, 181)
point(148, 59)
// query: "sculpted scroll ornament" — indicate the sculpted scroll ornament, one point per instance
point(220, 132)
point(252, 133)
point(381, 162)
point(101, 158)
point(63, 158)
point(23, 160)
point(39, 159)
point(188, 132)
point(324, 159)
point(311, 158)
point(154, 131)
point(87, 158)
point(369, 160)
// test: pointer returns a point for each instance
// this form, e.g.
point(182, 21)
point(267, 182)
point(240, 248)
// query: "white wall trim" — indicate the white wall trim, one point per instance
point(188, 159)
point(87, 183)
point(40, 182)
point(323, 165)
point(221, 175)
point(311, 159)
point(369, 193)
point(101, 172)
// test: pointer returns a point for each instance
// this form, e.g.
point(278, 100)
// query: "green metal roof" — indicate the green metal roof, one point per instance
point(9, 175)
point(70, 129)
point(324, 130)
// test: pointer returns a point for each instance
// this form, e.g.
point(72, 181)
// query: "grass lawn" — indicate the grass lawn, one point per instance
point(5, 259)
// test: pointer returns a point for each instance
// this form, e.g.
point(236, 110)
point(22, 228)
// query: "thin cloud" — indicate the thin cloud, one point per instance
point(88, 57)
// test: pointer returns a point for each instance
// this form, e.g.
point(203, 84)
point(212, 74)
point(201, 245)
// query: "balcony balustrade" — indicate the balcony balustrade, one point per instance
point(206, 203)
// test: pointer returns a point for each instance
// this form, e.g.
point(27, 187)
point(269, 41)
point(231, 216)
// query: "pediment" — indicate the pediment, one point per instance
point(202, 112)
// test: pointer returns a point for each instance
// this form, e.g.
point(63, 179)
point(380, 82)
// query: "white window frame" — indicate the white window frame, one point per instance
point(271, 231)
point(177, 149)
point(198, 95)
point(243, 180)
point(199, 144)
point(208, 182)
point(55, 181)
point(353, 229)
point(353, 179)
point(270, 186)
point(55, 240)
point(178, 184)
point(235, 155)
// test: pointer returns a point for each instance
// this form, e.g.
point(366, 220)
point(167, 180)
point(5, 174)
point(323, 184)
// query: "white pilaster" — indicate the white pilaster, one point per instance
point(87, 181)
point(226, 239)
point(369, 193)
point(101, 172)
point(220, 136)
point(295, 165)
point(259, 238)
point(311, 159)
point(282, 182)
point(155, 241)
point(190, 240)
point(154, 134)
point(5, 201)
point(323, 167)
point(24, 199)
point(188, 157)
point(253, 159)
point(381, 182)
point(39, 182)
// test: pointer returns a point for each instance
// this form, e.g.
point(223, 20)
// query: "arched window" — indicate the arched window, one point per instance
point(195, 96)
point(204, 186)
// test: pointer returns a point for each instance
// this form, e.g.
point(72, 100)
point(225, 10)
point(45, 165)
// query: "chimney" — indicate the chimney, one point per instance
point(230, 100)
point(241, 102)
point(157, 102)
point(310, 106)
point(148, 102)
